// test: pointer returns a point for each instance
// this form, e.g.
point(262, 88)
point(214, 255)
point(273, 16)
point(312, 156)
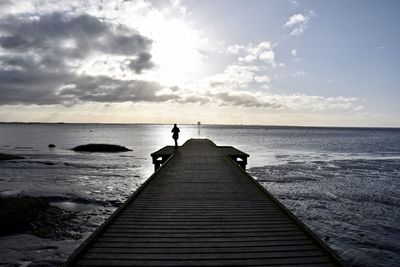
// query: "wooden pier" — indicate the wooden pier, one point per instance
point(201, 208)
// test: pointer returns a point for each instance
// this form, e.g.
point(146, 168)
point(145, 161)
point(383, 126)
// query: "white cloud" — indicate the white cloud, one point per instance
point(298, 23)
point(262, 79)
point(296, 19)
point(268, 56)
point(234, 77)
point(251, 53)
point(294, 54)
point(317, 103)
point(178, 6)
point(299, 73)
point(248, 58)
point(235, 49)
point(293, 102)
point(294, 3)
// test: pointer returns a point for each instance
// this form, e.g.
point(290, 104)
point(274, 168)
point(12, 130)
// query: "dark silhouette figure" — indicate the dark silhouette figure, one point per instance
point(175, 135)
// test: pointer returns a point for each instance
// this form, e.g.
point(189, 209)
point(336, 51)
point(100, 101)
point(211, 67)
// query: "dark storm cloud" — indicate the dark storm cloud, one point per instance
point(105, 89)
point(52, 32)
point(40, 52)
point(14, 41)
point(22, 81)
point(15, 89)
point(141, 63)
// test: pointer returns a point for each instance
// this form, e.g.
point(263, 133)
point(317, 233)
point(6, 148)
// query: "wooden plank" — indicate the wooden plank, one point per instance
point(138, 244)
point(201, 225)
point(254, 265)
point(208, 250)
point(233, 262)
point(204, 256)
point(193, 235)
point(200, 239)
point(206, 217)
point(193, 230)
point(195, 221)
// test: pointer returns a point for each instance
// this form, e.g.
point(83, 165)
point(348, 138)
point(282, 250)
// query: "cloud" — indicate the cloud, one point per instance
point(262, 79)
point(252, 68)
point(243, 99)
point(299, 73)
point(294, 3)
point(108, 90)
point(65, 35)
point(177, 5)
point(49, 55)
point(295, 20)
point(295, 56)
point(27, 84)
point(262, 52)
point(234, 77)
point(40, 54)
point(319, 103)
point(298, 23)
point(268, 56)
point(23, 81)
point(293, 102)
point(142, 62)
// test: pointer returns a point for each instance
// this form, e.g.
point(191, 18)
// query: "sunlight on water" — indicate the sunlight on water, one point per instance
point(343, 183)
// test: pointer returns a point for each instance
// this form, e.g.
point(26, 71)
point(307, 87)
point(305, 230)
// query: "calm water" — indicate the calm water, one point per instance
point(343, 183)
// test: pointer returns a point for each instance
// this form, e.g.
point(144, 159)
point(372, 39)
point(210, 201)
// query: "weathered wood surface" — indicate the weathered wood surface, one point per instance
point(201, 209)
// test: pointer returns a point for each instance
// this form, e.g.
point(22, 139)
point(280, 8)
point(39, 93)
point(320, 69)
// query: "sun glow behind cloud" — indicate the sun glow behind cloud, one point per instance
point(176, 53)
point(175, 47)
point(134, 54)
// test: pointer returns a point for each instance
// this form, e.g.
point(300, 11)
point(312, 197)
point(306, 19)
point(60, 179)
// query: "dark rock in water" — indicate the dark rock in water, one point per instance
point(326, 238)
point(100, 148)
point(52, 146)
point(9, 157)
point(48, 163)
point(24, 214)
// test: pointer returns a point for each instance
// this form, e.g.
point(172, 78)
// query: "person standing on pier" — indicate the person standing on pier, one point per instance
point(175, 135)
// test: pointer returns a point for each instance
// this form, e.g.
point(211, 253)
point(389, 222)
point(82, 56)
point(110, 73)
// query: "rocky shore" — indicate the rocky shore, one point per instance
point(34, 215)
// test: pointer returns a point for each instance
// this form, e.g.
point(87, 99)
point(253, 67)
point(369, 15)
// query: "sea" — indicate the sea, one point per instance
point(343, 183)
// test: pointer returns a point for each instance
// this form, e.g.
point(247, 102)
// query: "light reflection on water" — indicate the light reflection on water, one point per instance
point(344, 183)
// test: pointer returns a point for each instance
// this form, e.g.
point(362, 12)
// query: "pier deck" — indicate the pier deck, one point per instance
point(201, 209)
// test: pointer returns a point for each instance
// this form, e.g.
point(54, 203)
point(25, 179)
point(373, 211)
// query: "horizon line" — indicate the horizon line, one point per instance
point(208, 124)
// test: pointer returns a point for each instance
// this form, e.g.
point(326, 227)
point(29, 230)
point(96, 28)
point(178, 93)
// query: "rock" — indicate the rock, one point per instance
point(9, 157)
point(51, 145)
point(24, 214)
point(101, 148)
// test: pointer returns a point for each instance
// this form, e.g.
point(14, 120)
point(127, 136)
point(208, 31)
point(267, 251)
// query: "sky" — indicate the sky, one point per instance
point(263, 62)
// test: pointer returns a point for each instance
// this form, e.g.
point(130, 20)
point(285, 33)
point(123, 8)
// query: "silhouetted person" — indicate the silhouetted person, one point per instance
point(175, 135)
